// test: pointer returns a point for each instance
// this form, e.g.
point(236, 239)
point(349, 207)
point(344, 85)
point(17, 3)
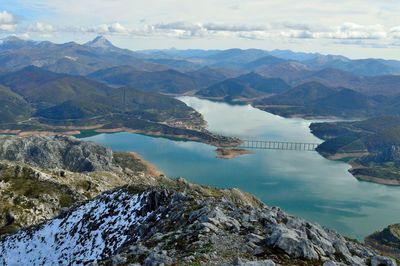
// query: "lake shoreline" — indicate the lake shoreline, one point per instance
point(267, 174)
point(210, 139)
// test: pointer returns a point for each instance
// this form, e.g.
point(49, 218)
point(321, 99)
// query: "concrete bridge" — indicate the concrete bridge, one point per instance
point(278, 145)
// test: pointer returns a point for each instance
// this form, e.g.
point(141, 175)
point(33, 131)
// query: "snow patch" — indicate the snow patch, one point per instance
point(89, 233)
point(71, 58)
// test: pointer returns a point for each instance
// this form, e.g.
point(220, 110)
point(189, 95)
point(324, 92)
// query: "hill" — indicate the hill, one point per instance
point(12, 106)
point(208, 76)
point(246, 86)
point(386, 241)
point(264, 61)
point(48, 101)
point(289, 71)
point(43, 88)
point(300, 95)
point(384, 85)
point(315, 99)
point(168, 81)
point(372, 145)
point(361, 67)
point(234, 58)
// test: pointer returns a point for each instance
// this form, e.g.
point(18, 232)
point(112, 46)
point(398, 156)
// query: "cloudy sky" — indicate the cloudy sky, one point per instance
point(355, 28)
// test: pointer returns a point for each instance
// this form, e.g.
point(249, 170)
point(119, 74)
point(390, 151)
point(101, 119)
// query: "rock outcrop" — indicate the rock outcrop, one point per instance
point(59, 152)
point(148, 220)
point(181, 224)
point(31, 192)
point(387, 241)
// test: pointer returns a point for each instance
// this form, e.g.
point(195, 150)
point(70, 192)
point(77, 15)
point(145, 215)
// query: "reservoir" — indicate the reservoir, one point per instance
point(302, 183)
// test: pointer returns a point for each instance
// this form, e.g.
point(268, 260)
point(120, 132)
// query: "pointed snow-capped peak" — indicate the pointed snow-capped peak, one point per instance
point(100, 42)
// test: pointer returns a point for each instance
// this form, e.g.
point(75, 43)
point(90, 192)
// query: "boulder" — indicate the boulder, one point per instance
point(382, 261)
point(293, 242)
point(239, 262)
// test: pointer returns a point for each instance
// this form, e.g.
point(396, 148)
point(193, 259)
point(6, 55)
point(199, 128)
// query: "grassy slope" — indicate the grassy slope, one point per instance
point(380, 137)
point(315, 99)
point(61, 97)
point(12, 106)
point(386, 241)
point(168, 81)
point(246, 86)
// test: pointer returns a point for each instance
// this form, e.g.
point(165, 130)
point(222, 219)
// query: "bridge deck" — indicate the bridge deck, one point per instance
point(278, 145)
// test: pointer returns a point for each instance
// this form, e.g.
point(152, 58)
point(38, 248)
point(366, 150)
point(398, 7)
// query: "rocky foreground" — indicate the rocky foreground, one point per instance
point(152, 220)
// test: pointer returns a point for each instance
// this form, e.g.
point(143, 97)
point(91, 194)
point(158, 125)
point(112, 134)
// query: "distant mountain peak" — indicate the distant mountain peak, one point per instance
point(12, 38)
point(100, 42)
point(14, 42)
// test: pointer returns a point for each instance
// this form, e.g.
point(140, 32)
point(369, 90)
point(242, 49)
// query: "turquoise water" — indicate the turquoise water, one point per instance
point(302, 183)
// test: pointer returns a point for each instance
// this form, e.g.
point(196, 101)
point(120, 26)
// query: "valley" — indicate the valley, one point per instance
point(302, 182)
point(166, 114)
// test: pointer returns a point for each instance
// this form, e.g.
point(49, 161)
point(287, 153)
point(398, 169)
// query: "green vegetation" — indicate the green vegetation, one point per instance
point(372, 145)
point(251, 85)
point(315, 99)
point(63, 97)
point(12, 106)
point(168, 81)
point(39, 100)
point(386, 241)
point(24, 196)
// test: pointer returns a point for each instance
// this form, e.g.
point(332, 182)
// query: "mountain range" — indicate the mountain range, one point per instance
point(279, 81)
point(36, 99)
point(250, 85)
point(65, 201)
point(74, 58)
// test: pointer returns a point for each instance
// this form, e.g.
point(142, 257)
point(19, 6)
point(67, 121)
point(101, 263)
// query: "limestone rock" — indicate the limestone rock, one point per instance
point(59, 152)
point(293, 242)
point(239, 262)
point(382, 261)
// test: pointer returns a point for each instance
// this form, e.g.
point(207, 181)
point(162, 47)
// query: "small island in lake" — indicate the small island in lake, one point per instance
point(229, 153)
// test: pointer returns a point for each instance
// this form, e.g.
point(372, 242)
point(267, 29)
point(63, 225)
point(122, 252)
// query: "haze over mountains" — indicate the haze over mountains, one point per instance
point(63, 88)
point(304, 84)
point(95, 54)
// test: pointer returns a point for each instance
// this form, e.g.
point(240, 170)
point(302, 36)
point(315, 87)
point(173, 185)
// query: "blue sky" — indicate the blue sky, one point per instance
point(355, 28)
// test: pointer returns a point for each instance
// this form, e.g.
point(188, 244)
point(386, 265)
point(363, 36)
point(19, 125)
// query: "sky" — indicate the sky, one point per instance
point(354, 28)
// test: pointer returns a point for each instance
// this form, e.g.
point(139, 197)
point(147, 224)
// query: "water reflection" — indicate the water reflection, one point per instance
point(302, 183)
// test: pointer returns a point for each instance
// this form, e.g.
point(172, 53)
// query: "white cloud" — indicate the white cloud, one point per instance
point(316, 25)
point(355, 31)
point(395, 32)
point(234, 27)
point(178, 25)
point(186, 29)
point(7, 21)
point(115, 28)
point(346, 31)
point(6, 18)
point(41, 27)
point(299, 34)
